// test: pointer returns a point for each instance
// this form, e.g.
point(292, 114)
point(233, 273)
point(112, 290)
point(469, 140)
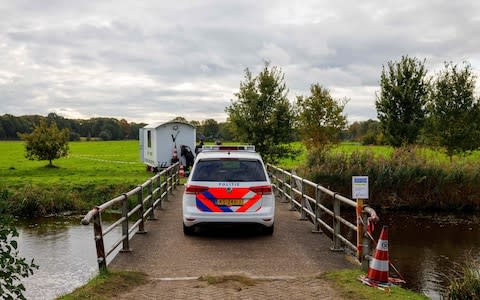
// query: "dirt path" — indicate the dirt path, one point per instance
point(286, 264)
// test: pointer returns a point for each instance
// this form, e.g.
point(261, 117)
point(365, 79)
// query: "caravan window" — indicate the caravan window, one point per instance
point(149, 139)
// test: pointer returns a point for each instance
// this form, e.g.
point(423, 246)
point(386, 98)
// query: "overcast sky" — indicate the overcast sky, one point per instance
point(153, 60)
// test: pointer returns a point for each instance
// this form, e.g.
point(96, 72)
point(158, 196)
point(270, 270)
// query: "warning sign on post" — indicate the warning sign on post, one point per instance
point(359, 187)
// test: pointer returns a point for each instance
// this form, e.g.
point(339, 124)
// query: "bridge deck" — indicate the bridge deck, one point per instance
point(293, 253)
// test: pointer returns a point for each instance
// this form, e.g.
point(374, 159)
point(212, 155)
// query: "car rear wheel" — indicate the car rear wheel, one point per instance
point(188, 230)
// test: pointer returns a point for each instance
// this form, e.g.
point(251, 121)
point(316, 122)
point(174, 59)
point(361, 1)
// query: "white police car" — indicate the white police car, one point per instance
point(228, 184)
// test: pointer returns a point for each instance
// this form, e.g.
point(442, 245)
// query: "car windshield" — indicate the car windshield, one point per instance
point(239, 170)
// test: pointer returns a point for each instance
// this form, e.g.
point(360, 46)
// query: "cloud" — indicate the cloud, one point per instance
point(151, 61)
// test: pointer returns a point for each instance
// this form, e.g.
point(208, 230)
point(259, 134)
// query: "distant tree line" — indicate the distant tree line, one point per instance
point(94, 128)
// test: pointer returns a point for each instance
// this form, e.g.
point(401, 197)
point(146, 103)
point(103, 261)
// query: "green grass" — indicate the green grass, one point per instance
point(347, 284)
point(87, 163)
point(107, 285)
point(93, 173)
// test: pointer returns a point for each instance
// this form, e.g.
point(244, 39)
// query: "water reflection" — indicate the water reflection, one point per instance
point(63, 249)
point(427, 248)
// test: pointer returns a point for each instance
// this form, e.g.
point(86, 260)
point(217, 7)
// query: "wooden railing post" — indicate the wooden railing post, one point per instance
point(151, 215)
point(303, 214)
point(141, 225)
point(98, 235)
point(337, 243)
point(159, 185)
point(367, 244)
point(284, 193)
point(292, 192)
point(126, 244)
point(316, 224)
point(172, 180)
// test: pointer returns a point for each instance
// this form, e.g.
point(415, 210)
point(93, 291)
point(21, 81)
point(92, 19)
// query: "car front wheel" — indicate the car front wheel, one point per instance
point(268, 230)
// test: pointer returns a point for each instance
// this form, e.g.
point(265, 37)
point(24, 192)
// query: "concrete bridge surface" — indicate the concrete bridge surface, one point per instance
point(285, 265)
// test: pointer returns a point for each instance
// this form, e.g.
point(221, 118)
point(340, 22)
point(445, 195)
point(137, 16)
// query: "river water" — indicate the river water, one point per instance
point(65, 252)
point(424, 248)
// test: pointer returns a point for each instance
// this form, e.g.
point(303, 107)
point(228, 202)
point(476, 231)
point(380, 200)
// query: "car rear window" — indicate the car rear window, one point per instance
point(240, 170)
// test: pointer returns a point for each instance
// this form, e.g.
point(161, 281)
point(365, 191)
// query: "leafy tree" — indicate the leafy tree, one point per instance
point(12, 267)
point(320, 118)
point(46, 142)
point(210, 128)
point(261, 114)
point(454, 110)
point(402, 99)
point(179, 119)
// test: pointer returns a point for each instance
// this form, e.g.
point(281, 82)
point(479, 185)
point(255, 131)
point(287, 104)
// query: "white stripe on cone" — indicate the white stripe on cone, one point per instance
point(379, 265)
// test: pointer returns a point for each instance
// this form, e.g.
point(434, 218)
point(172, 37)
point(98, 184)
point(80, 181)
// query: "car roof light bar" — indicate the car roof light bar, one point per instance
point(250, 148)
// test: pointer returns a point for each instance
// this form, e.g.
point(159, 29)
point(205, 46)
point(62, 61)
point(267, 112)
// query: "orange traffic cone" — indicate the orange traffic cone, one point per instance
point(378, 269)
point(181, 171)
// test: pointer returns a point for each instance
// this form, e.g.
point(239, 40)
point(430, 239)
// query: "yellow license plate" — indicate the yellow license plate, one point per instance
point(230, 202)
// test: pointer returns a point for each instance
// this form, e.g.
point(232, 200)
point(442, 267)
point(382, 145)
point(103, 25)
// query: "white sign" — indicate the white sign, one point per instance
point(359, 187)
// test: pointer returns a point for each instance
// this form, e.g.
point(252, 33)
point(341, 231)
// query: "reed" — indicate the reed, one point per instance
point(465, 285)
point(406, 179)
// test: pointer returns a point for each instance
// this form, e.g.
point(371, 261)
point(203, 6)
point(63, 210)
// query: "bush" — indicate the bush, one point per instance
point(406, 179)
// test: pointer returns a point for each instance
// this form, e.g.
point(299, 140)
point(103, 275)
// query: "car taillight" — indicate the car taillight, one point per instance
point(263, 189)
point(195, 189)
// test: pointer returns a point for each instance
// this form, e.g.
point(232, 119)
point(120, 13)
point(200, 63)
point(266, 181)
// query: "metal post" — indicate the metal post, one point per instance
point(126, 244)
point(151, 215)
point(337, 243)
point(292, 193)
point(359, 209)
point(98, 234)
point(303, 214)
point(317, 228)
point(141, 226)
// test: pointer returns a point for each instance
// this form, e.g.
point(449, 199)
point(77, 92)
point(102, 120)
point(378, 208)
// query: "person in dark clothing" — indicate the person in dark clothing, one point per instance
point(199, 147)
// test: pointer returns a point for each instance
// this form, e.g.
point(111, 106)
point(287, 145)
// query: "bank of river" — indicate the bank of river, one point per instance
point(424, 247)
point(63, 249)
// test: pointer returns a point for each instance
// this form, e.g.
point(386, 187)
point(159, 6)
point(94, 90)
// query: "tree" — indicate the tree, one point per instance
point(454, 110)
point(12, 267)
point(46, 142)
point(402, 99)
point(210, 129)
point(320, 118)
point(261, 114)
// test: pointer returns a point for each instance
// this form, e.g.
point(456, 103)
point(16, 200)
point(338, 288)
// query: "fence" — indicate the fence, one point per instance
point(309, 199)
point(149, 195)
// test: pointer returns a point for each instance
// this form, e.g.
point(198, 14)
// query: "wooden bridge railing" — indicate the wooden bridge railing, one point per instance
point(312, 201)
point(149, 195)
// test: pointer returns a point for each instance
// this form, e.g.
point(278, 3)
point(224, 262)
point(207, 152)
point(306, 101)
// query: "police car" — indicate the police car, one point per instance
point(228, 185)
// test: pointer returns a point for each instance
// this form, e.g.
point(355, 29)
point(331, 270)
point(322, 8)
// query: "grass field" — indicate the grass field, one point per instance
point(87, 163)
point(432, 155)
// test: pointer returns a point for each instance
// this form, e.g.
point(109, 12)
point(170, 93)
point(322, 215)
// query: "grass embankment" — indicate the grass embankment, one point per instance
point(92, 173)
point(107, 285)
point(416, 178)
point(346, 283)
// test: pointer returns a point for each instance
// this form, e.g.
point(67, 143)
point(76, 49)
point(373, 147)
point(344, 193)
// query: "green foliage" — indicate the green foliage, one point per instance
point(12, 267)
point(46, 142)
point(261, 114)
point(320, 118)
point(454, 110)
point(402, 100)
point(210, 129)
point(465, 285)
point(404, 179)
